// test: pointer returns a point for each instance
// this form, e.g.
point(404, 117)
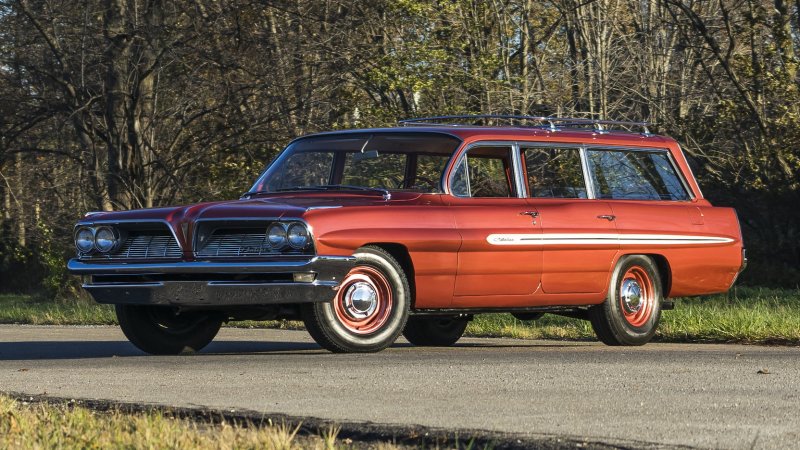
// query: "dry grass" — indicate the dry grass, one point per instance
point(43, 426)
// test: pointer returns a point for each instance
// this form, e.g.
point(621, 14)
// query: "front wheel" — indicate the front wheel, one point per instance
point(369, 310)
point(630, 314)
point(161, 331)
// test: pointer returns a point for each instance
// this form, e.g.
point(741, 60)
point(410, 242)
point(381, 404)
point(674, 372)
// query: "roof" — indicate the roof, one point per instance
point(506, 133)
point(520, 127)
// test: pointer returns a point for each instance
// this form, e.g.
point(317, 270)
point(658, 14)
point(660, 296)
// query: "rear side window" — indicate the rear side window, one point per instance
point(554, 172)
point(635, 175)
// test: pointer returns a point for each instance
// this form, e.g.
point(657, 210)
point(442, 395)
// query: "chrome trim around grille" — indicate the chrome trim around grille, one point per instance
point(236, 245)
point(155, 239)
point(141, 245)
point(243, 237)
point(149, 246)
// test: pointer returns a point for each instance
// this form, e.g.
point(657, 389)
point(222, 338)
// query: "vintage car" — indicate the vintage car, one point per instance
point(368, 234)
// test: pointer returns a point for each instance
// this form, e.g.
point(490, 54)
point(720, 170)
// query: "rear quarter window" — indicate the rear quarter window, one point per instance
point(635, 175)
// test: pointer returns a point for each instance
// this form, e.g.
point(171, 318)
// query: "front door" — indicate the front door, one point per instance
point(491, 217)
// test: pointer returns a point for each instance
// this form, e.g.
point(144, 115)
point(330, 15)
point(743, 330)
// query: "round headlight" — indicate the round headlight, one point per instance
point(276, 235)
point(104, 239)
point(298, 235)
point(84, 240)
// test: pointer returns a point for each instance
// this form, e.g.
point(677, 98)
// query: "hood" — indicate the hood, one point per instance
point(276, 205)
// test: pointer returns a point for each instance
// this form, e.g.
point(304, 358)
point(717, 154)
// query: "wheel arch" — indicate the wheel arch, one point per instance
point(662, 264)
point(664, 272)
point(401, 254)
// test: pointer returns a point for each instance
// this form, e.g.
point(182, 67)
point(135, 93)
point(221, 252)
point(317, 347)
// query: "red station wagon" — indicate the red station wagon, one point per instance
point(368, 234)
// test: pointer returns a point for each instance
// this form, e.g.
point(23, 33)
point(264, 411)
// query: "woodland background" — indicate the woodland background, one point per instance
point(111, 104)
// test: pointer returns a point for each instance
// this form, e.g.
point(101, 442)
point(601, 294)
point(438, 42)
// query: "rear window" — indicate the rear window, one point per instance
point(635, 175)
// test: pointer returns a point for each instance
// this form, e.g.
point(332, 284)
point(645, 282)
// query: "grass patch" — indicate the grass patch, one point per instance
point(745, 315)
point(37, 311)
point(38, 425)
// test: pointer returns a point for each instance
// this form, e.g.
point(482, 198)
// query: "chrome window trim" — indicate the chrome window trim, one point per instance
point(691, 172)
point(670, 158)
point(515, 166)
point(587, 177)
point(516, 161)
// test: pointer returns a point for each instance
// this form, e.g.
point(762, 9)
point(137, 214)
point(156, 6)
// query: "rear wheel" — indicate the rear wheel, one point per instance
point(630, 314)
point(369, 310)
point(161, 331)
point(434, 331)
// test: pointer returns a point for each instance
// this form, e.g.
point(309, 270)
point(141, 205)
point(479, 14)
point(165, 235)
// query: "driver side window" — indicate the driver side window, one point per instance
point(484, 172)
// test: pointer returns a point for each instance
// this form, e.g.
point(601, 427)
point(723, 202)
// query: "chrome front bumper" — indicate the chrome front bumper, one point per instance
point(205, 283)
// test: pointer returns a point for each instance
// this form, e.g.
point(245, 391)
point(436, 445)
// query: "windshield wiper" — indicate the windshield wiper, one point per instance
point(248, 195)
point(325, 187)
point(332, 187)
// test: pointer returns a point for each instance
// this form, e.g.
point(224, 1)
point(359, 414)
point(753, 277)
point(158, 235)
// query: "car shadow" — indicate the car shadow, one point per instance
point(570, 344)
point(33, 350)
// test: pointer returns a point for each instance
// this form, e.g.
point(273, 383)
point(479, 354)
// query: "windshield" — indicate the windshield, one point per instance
point(381, 160)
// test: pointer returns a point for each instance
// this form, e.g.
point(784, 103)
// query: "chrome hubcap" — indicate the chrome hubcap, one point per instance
point(360, 300)
point(631, 294)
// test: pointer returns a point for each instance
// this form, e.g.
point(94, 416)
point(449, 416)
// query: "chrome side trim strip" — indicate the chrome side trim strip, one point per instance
point(605, 238)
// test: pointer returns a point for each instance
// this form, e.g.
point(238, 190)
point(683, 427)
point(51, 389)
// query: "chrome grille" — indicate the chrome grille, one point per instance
point(239, 243)
point(146, 245)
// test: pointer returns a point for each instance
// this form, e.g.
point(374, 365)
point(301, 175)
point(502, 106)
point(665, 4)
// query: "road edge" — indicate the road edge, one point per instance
point(360, 433)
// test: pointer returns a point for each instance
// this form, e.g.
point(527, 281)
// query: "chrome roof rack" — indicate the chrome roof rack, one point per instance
point(549, 123)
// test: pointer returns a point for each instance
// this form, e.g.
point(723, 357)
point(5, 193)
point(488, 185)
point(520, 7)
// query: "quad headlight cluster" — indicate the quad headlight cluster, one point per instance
point(293, 234)
point(102, 239)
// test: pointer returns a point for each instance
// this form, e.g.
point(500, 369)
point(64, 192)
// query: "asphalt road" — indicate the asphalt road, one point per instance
point(667, 394)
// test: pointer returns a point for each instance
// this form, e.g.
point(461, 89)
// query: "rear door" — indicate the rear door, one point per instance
point(579, 237)
point(499, 230)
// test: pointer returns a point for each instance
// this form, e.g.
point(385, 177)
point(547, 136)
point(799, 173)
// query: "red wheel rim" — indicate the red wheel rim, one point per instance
point(636, 296)
point(364, 301)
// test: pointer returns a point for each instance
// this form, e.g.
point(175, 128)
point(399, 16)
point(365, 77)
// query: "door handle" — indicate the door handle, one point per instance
point(533, 214)
point(608, 217)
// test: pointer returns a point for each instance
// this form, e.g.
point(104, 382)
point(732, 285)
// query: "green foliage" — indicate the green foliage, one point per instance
point(56, 281)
